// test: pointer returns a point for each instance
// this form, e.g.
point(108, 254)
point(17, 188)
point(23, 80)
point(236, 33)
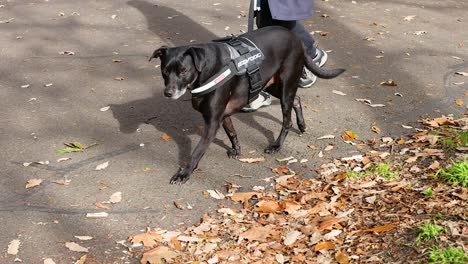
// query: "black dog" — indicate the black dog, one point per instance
point(186, 68)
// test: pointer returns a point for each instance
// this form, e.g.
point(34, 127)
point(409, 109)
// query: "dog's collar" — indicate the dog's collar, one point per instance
point(244, 58)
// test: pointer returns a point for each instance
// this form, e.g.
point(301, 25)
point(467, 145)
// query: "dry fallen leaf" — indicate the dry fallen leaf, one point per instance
point(82, 260)
point(175, 244)
point(33, 183)
point(389, 82)
point(67, 52)
point(376, 129)
point(324, 245)
point(327, 137)
point(435, 165)
point(338, 92)
point(328, 148)
point(75, 247)
point(97, 215)
point(49, 261)
point(280, 170)
point(291, 237)
point(329, 223)
point(381, 229)
point(459, 102)
point(409, 18)
point(102, 166)
point(148, 239)
point(13, 247)
point(116, 197)
point(62, 182)
point(105, 108)
point(462, 73)
point(100, 205)
point(165, 137)
point(268, 207)
point(349, 135)
point(341, 257)
point(312, 147)
point(216, 194)
point(252, 160)
point(84, 238)
point(159, 255)
point(257, 233)
point(332, 234)
point(244, 197)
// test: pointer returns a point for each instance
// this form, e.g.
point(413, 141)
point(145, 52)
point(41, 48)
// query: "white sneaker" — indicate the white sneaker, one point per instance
point(263, 99)
point(308, 78)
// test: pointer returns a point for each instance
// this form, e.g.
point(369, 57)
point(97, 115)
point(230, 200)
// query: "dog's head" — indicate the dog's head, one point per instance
point(180, 67)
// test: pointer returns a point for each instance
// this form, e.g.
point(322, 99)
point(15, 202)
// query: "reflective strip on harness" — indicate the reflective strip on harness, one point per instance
point(217, 79)
point(245, 60)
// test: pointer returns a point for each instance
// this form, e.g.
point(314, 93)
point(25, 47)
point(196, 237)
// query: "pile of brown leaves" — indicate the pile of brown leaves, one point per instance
point(331, 218)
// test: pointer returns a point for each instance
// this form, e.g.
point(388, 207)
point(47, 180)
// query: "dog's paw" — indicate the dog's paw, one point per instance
point(180, 177)
point(233, 153)
point(272, 149)
point(302, 128)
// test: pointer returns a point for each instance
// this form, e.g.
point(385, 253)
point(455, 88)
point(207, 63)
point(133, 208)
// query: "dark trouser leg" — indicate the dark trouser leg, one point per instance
point(264, 19)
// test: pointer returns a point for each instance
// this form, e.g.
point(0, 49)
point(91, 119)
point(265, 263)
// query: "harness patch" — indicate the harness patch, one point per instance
point(245, 60)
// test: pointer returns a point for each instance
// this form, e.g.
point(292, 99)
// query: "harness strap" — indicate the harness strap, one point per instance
point(216, 80)
point(247, 63)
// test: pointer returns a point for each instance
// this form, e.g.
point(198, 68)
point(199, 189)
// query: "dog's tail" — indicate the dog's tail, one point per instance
point(319, 72)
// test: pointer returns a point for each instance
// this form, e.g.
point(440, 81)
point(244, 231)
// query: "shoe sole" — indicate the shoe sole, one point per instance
point(267, 102)
point(322, 62)
point(308, 85)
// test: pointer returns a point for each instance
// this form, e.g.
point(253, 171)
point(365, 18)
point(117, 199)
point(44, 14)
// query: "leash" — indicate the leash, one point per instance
point(253, 4)
point(245, 62)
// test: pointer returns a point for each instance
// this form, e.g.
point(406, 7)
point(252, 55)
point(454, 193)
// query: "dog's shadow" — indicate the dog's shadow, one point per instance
point(178, 120)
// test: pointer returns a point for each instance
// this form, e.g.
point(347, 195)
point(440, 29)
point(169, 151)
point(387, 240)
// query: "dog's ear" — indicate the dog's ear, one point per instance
point(159, 52)
point(198, 56)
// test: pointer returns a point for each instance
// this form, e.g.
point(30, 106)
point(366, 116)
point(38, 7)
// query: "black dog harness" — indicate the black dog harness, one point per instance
point(245, 59)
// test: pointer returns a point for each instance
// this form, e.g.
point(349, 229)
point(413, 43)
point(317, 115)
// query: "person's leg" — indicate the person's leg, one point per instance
point(265, 19)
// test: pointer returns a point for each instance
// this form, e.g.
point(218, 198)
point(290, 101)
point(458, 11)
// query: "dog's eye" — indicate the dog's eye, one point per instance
point(183, 71)
point(165, 72)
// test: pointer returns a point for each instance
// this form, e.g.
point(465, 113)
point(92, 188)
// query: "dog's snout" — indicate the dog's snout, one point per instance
point(168, 93)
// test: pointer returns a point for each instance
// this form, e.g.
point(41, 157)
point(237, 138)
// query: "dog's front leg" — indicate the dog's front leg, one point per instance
point(235, 151)
point(209, 133)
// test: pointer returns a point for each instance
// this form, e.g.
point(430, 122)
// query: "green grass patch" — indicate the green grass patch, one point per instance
point(463, 138)
point(452, 138)
point(450, 255)
point(428, 231)
point(448, 143)
point(429, 192)
point(457, 173)
point(385, 170)
point(382, 169)
point(353, 174)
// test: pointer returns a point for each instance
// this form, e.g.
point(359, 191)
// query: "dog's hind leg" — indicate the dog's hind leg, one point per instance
point(287, 98)
point(235, 151)
point(299, 117)
point(272, 88)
